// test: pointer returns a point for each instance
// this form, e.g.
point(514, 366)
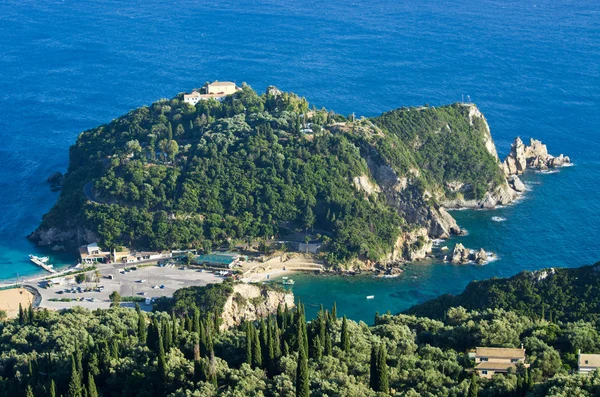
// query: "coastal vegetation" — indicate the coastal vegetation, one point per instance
point(184, 352)
point(561, 294)
point(172, 175)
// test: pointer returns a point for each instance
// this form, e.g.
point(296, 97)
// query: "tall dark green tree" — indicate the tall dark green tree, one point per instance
point(257, 361)
point(382, 370)
point(345, 338)
point(91, 387)
point(142, 329)
point(302, 377)
point(473, 387)
point(249, 341)
point(74, 389)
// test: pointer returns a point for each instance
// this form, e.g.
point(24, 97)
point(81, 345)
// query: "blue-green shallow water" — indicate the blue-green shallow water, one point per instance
point(533, 69)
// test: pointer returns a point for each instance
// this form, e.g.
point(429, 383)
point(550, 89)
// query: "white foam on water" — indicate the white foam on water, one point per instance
point(498, 219)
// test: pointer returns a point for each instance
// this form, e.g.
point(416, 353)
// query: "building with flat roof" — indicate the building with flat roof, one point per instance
point(497, 360)
point(215, 90)
point(91, 253)
point(220, 259)
point(587, 363)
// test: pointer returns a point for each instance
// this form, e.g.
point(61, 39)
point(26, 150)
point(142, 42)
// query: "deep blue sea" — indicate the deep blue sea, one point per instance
point(533, 67)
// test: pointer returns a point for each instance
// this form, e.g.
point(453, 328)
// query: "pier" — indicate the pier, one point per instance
point(42, 265)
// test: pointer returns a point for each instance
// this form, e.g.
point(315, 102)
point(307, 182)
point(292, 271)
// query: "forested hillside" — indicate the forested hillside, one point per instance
point(125, 352)
point(172, 175)
point(557, 293)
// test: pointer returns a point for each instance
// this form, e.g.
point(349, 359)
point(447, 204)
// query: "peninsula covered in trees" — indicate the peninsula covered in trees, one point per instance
point(185, 351)
point(253, 166)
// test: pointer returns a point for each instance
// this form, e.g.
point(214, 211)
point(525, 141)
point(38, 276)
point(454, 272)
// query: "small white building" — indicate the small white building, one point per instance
point(587, 362)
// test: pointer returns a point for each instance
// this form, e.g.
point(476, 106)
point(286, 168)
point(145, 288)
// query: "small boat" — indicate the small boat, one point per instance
point(288, 281)
point(371, 297)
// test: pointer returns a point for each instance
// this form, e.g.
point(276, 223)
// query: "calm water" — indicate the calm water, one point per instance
point(534, 70)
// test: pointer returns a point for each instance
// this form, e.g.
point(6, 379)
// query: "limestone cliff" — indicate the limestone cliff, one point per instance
point(250, 302)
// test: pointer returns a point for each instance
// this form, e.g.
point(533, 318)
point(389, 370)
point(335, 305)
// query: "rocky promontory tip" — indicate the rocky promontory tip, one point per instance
point(534, 156)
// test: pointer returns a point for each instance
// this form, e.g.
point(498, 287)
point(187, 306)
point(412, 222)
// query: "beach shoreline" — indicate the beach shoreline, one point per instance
point(11, 298)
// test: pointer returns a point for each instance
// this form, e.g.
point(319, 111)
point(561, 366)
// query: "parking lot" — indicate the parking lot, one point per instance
point(145, 282)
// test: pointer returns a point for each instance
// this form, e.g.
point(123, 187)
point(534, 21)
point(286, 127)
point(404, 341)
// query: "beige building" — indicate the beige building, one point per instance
point(216, 90)
point(92, 253)
point(588, 362)
point(497, 360)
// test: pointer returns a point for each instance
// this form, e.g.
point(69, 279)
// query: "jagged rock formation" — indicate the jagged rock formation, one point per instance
point(533, 156)
point(250, 302)
point(462, 255)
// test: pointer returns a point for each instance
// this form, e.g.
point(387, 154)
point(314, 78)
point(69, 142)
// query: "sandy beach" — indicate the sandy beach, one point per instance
point(276, 267)
point(10, 299)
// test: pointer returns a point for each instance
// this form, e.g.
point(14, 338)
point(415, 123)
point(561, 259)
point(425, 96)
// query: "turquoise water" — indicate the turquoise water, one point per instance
point(533, 69)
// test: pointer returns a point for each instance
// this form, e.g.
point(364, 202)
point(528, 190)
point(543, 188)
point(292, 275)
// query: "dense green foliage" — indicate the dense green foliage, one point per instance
point(124, 352)
point(442, 141)
point(172, 175)
point(558, 294)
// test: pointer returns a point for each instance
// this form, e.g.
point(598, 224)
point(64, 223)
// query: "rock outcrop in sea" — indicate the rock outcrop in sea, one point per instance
point(534, 156)
point(462, 255)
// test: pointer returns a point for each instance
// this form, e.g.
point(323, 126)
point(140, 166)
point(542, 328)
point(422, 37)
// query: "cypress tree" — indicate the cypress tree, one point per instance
point(21, 314)
point(202, 338)
point(256, 350)
point(196, 324)
point(373, 380)
point(196, 348)
point(175, 326)
point(29, 391)
point(52, 388)
point(276, 341)
point(248, 344)
point(167, 335)
point(473, 389)
point(75, 381)
point(92, 364)
point(529, 378)
point(188, 323)
point(114, 349)
point(328, 349)
point(91, 387)
point(376, 318)
point(217, 322)
point(169, 132)
point(316, 348)
point(30, 315)
point(142, 331)
point(302, 385)
point(286, 315)
point(286, 349)
point(162, 365)
point(279, 315)
point(345, 339)
point(382, 370)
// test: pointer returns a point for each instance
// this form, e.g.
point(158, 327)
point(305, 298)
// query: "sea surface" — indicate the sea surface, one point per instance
point(533, 68)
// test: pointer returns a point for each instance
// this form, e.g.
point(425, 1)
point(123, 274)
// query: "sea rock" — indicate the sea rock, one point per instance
point(250, 302)
point(459, 254)
point(55, 180)
point(481, 257)
point(516, 184)
point(462, 255)
point(534, 156)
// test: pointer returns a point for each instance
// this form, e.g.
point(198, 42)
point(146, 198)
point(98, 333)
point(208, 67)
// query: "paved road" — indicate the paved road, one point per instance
point(88, 190)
